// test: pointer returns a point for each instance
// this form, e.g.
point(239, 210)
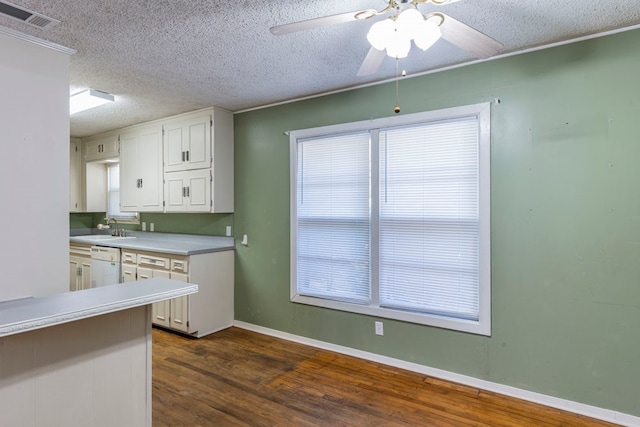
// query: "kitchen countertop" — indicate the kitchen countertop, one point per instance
point(177, 244)
point(28, 314)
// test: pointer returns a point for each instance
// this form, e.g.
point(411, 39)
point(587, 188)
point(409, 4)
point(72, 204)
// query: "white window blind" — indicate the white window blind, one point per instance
point(113, 191)
point(429, 244)
point(333, 226)
point(390, 217)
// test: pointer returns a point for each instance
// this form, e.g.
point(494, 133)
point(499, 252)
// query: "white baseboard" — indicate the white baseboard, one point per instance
point(554, 402)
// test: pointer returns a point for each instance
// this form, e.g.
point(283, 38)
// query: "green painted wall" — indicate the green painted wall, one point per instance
point(565, 222)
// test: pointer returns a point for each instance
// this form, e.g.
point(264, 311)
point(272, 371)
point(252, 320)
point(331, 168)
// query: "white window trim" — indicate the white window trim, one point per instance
point(132, 220)
point(482, 326)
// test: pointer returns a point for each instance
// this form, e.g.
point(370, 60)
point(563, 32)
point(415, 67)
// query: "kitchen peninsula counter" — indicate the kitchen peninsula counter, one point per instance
point(81, 358)
point(29, 314)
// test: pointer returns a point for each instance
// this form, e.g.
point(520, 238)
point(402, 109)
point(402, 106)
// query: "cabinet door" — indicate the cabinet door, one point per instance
point(160, 311)
point(74, 273)
point(199, 191)
point(96, 187)
point(175, 193)
point(180, 307)
point(79, 273)
point(102, 148)
point(188, 191)
point(85, 266)
point(187, 142)
point(141, 188)
point(174, 148)
point(150, 169)
point(75, 176)
point(129, 179)
point(129, 273)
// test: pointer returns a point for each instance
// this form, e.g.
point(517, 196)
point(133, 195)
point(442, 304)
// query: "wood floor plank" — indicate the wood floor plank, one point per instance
point(239, 378)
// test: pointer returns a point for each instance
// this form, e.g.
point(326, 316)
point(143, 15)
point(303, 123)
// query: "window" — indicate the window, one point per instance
point(113, 196)
point(390, 217)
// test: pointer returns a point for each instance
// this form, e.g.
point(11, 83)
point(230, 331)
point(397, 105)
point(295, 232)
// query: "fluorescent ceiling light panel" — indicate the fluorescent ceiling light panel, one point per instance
point(88, 98)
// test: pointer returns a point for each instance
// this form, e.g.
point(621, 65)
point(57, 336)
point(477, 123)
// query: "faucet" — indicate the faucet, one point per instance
point(106, 226)
point(115, 230)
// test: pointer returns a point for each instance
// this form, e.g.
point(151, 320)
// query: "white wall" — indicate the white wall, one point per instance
point(34, 168)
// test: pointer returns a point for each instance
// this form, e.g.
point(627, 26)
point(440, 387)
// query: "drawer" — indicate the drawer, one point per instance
point(80, 250)
point(180, 265)
point(153, 261)
point(129, 257)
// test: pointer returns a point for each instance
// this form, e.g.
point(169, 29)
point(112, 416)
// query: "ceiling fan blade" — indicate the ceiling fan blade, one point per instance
point(468, 38)
point(320, 22)
point(371, 62)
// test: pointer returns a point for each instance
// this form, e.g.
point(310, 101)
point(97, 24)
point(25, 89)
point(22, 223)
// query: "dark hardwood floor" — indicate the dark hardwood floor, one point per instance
point(240, 378)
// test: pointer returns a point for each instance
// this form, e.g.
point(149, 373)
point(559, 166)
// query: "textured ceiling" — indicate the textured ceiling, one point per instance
point(164, 57)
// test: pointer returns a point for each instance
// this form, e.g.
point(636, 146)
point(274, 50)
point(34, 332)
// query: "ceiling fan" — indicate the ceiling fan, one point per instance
point(392, 36)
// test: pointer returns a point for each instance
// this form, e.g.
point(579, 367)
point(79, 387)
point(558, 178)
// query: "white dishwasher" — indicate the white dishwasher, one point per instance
point(105, 266)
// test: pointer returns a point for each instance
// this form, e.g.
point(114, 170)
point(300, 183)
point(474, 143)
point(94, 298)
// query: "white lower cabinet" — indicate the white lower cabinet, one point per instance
point(209, 310)
point(79, 267)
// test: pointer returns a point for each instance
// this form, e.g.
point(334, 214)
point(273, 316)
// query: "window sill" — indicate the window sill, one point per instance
point(481, 327)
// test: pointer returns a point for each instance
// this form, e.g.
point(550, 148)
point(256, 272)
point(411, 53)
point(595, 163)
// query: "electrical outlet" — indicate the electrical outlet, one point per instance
point(151, 227)
point(144, 226)
point(228, 230)
point(379, 328)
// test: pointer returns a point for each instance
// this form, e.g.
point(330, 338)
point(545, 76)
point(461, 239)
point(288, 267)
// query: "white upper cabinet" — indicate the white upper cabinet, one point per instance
point(198, 162)
point(188, 191)
point(178, 164)
point(141, 187)
point(187, 142)
point(101, 148)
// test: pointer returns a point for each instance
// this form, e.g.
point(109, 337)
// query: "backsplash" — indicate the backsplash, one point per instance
point(181, 223)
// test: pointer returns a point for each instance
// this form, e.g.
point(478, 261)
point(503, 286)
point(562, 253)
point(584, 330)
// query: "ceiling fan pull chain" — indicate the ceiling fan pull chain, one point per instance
point(397, 109)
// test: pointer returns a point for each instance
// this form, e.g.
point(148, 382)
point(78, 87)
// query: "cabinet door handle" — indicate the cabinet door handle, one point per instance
point(183, 156)
point(187, 191)
point(184, 191)
point(187, 155)
point(140, 182)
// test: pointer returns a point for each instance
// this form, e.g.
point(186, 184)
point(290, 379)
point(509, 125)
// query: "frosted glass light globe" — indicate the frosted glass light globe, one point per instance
point(399, 45)
point(428, 35)
point(380, 33)
point(410, 22)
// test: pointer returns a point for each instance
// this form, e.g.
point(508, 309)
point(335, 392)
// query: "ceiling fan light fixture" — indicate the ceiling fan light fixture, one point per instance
point(410, 22)
point(429, 34)
point(398, 45)
point(394, 35)
point(366, 14)
point(380, 33)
